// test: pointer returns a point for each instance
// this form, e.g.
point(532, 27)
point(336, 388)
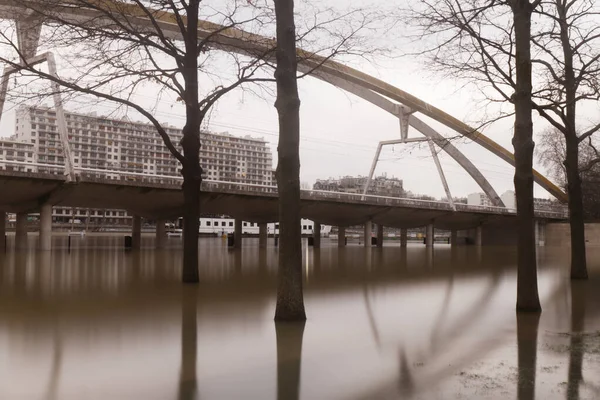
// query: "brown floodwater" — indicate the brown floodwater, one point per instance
point(98, 322)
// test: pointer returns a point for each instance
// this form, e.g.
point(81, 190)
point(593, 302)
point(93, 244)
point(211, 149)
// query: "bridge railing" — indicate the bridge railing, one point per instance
point(549, 211)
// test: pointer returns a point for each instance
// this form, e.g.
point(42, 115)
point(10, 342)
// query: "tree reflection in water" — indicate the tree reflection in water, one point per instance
point(289, 356)
point(527, 333)
point(578, 303)
point(188, 384)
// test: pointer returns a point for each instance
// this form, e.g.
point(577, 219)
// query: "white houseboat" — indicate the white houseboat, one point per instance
point(222, 226)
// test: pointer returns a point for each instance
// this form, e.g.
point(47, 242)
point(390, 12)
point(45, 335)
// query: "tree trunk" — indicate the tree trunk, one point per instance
point(191, 215)
point(191, 170)
point(527, 288)
point(578, 257)
point(290, 301)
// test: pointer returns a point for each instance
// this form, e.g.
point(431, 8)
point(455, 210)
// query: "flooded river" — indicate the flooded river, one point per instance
point(99, 322)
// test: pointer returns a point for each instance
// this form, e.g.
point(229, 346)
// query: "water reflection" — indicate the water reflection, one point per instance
point(188, 384)
point(578, 310)
point(289, 355)
point(57, 357)
point(384, 323)
point(527, 334)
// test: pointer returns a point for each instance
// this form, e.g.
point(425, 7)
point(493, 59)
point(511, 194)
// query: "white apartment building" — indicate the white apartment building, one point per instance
point(509, 199)
point(102, 143)
point(17, 151)
point(478, 199)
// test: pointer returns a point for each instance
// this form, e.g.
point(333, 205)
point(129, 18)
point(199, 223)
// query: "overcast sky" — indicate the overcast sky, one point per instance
point(340, 132)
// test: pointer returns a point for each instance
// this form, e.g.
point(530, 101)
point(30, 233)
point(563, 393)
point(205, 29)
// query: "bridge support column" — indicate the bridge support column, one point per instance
point(136, 232)
point(368, 233)
point(429, 238)
point(379, 235)
point(478, 236)
point(237, 234)
point(21, 232)
point(2, 231)
point(403, 237)
point(316, 235)
point(262, 235)
point(341, 236)
point(161, 234)
point(46, 227)
point(540, 233)
point(453, 237)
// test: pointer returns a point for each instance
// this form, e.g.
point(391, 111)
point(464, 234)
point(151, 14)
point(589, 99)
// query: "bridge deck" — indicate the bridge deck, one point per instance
point(162, 198)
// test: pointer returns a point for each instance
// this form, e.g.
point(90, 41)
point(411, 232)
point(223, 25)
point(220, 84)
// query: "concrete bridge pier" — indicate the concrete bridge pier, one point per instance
point(379, 235)
point(453, 237)
point(237, 234)
point(403, 237)
point(479, 235)
point(341, 236)
point(263, 234)
point(161, 234)
point(429, 238)
point(136, 232)
point(368, 233)
point(2, 231)
point(316, 235)
point(540, 233)
point(21, 232)
point(46, 227)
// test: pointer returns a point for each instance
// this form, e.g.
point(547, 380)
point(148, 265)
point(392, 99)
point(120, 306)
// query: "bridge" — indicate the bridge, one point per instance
point(160, 198)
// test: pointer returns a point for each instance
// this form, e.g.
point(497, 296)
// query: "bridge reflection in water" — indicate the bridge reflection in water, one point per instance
point(421, 323)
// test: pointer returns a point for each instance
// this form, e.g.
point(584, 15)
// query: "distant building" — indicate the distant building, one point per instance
point(509, 199)
point(479, 199)
point(102, 143)
point(379, 186)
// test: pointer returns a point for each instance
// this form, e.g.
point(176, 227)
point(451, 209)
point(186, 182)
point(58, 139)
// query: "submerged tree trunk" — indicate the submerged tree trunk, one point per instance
point(578, 257)
point(191, 171)
point(527, 287)
point(191, 215)
point(290, 301)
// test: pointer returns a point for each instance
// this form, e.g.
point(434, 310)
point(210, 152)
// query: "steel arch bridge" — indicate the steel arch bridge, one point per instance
point(393, 100)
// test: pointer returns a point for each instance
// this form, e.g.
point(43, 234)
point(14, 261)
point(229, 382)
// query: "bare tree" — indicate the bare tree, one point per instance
point(290, 303)
point(567, 43)
point(114, 49)
point(489, 43)
point(565, 65)
point(551, 152)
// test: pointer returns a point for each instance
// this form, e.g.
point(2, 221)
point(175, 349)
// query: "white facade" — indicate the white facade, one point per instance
point(478, 199)
point(221, 226)
point(122, 145)
point(102, 143)
point(509, 199)
point(17, 151)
